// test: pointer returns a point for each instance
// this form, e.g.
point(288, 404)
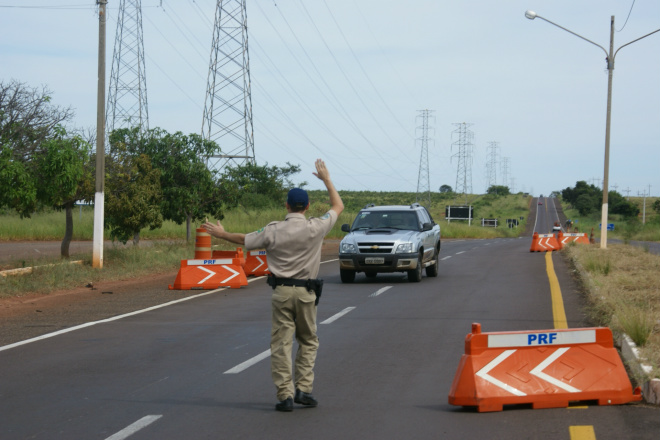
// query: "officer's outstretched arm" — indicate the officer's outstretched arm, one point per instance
point(218, 231)
point(322, 173)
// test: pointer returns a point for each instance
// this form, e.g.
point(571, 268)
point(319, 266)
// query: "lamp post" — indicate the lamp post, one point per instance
point(610, 56)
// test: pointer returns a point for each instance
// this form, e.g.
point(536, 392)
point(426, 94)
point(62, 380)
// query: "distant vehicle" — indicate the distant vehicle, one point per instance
point(556, 227)
point(390, 239)
point(540, 202)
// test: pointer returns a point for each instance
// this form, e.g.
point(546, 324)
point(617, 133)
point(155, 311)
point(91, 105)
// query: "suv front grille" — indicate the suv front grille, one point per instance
point(376, 247)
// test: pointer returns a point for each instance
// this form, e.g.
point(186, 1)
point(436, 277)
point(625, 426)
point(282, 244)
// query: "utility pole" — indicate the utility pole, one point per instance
point(423, 179)
point(99, 196)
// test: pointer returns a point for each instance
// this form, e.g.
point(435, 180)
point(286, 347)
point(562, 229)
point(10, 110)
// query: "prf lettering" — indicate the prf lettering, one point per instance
point(209, 261)
point(541, 338)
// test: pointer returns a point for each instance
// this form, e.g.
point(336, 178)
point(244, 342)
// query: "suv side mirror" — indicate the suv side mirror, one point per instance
point(346, 227)
point(427, 227)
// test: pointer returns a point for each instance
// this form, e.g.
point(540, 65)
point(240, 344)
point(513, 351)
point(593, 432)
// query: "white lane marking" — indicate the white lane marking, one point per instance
point(459, 253)
point(338, 315)
point(446, 258)
point(247, 364)
point(379, 291)
point(135, 427)
point(538, 371)
point(483, 373)
point(115, 318)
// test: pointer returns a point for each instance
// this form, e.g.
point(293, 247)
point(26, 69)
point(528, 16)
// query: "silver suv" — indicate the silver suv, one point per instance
point(400, 238)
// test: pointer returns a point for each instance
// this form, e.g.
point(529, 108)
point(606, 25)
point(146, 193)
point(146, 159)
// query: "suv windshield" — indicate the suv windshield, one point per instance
point(386, 219)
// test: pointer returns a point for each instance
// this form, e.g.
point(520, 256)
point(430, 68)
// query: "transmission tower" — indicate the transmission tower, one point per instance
point(423, 181)
point(228, 107)
point(127, 96)
point(492, 159)
point(464, 155)
point(505, 171)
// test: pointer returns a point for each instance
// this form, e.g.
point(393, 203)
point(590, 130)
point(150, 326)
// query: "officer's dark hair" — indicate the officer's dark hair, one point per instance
point(297, 208)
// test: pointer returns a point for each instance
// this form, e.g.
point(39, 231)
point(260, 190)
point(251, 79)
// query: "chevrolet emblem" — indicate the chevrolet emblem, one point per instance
point(374, 247)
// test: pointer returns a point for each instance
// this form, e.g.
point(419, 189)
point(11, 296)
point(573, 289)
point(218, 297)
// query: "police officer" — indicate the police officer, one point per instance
point(293, 247)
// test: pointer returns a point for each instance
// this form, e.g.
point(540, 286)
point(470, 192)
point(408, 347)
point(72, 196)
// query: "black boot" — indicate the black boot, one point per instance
point(285, 405)
point(305, 399)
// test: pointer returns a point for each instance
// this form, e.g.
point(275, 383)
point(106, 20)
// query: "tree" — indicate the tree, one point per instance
point(27, 120)
point(656, 206)
point(189, 192)
point(66, 174)
point(446, 189)
point(254, 186)
point(500, 190)
point(132, 194)
point(584, 204)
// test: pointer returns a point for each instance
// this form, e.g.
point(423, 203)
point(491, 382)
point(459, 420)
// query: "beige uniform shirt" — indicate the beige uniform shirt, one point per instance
point(293, 246)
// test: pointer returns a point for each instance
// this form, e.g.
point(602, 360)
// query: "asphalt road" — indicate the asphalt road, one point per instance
point(384, 368)
point(199, 368)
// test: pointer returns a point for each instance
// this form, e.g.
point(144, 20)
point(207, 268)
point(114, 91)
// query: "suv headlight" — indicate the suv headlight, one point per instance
point(405, 248)
point(347, 248)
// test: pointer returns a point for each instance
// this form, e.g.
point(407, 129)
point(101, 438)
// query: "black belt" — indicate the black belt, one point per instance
point(277, 281)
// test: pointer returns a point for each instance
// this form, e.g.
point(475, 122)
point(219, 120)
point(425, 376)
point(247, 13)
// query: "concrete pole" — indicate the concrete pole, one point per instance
point(606, 172)
point(99, 198)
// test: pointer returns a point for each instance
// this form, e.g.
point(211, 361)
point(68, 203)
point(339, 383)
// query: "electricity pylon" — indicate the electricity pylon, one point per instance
point(464, 155)
point(127, 96)
point(227, 116)
point(423, 179)
point(491, 164)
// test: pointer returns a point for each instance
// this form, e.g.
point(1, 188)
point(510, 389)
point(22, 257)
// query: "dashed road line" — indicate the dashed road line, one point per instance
point(135, 427)
point(247, 364)
point(379, 291)
point(337, 316)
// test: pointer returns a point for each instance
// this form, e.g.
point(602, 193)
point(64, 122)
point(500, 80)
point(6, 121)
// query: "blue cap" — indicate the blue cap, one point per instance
point(297, 198)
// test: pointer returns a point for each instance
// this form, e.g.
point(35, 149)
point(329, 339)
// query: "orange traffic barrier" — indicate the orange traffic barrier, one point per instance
point(567, 238)
point(256, 264)
point(202, 244)
point(544, 368)
point(237, 254)
point(210, 269)
point(544, 242)
point(210, 274)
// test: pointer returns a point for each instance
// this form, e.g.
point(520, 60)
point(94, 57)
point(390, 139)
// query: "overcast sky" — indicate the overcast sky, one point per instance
point(345, 80)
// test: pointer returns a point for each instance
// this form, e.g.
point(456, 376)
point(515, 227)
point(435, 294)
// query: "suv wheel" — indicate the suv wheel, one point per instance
point(432, 270)
point(347, 276)
point(415, 275)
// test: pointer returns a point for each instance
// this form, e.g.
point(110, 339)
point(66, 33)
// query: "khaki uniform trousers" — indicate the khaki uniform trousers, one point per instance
point(294, 313)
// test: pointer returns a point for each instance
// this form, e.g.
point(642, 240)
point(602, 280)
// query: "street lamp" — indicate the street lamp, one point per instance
point(610, 56)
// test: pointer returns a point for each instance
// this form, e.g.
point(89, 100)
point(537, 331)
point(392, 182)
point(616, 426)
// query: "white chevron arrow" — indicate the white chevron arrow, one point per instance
point(211, 273)
point(260, 261)
point(537, 371)
point(230, 270)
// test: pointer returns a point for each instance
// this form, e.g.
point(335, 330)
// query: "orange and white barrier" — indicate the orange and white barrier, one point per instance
point(210, 274)
point(256, 264)
point(544, 368)
point(210, 269)
point(575, 237)
point(544, 243)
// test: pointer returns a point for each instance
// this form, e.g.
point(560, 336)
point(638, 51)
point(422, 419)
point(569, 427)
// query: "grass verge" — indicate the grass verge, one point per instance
point(623, 291)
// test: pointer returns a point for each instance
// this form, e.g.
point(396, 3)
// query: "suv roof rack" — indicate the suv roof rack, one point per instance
point(369, 205)
point(414, 205)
